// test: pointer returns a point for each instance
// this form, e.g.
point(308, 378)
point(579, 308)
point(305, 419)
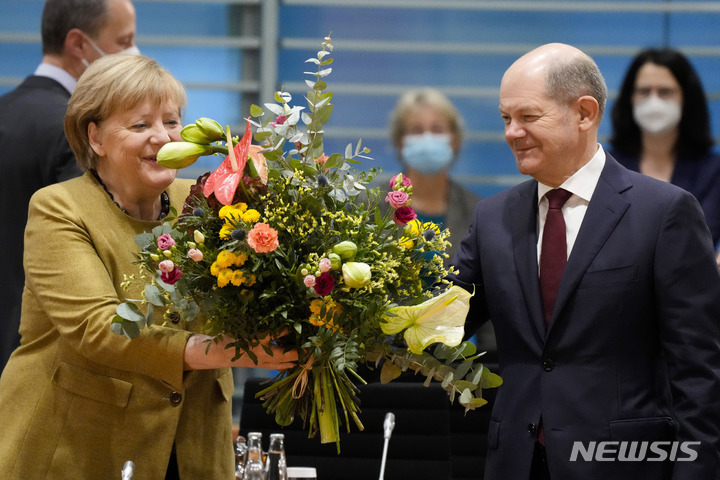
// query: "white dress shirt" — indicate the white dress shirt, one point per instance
point(582, 185)
point(57, 74)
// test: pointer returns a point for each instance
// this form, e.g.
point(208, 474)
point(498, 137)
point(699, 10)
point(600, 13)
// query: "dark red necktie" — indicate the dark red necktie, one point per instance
point(553, 257)
point(553, 254)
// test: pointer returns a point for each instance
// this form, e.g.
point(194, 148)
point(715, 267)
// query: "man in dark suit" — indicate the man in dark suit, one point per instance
point(33, 150)
point(606, 310)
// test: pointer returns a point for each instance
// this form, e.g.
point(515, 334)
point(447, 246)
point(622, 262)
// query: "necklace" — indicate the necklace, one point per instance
point(164, 198)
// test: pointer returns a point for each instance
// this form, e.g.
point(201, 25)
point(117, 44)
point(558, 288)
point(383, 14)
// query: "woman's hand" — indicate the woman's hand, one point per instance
point(199, 357)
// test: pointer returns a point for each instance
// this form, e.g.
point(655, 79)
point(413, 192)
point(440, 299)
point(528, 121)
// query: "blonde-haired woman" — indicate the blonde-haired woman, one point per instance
point(77, 400)
point(426, 131)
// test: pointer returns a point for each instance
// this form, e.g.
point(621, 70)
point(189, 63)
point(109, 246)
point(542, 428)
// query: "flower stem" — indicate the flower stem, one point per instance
point(326, 407)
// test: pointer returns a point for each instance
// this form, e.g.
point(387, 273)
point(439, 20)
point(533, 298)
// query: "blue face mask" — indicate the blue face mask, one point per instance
point(428, 153)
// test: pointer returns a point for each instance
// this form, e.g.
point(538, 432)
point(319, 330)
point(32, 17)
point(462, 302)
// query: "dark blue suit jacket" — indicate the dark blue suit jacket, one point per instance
point(34, 153)
point(699, 176)
point(633, 351)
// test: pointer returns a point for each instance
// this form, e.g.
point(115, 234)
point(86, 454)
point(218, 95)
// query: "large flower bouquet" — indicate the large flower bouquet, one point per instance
point(287, 241)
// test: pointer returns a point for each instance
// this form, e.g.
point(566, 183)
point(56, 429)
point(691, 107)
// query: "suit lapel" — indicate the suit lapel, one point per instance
point(523, 211)
point(605, 210)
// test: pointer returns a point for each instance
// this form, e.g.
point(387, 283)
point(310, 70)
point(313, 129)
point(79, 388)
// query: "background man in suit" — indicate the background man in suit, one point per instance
point(617, 338)
point(33, 150)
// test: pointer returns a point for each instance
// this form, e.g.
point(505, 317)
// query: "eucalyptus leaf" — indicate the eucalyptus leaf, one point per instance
point(322, 103)
point(165, 286)
point(149, 315)
point(275, 108)
point(130, 329)
point(116, 326)
point(463, 369)
point(130, 311)
point(162, 229)
point(175, 297)
point(462, 385)
point(467, 349)
point(490, 380)
point(470, 402)
point(466, 397)
point(338, 195)
point(153, 295)
point(294, 118)
point(262, 136)
point(448, 379)
point(191, 311)
point(389, 372)
point(256, 111)
point(476, 375)
point(145, 239)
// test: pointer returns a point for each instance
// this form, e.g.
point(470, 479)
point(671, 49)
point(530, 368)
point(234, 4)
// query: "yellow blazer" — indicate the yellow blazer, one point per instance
point(76, 400)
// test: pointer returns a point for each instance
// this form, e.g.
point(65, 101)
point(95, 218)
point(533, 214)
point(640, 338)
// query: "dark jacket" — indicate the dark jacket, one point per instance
point(33, 153)
point(633, 350)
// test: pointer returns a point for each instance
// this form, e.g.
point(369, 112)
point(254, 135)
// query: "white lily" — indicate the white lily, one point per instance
point(439, 319)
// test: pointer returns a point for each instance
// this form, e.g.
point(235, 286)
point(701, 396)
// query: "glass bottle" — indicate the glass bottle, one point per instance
point(253, 466)
point(240, 457)
point(276, 467)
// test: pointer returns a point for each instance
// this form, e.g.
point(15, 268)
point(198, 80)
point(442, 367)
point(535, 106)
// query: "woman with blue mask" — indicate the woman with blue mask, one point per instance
point(661, 127)
point(426, 130)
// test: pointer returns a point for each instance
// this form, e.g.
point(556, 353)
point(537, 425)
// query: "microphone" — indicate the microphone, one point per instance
point(128, 470)
point(388, 426)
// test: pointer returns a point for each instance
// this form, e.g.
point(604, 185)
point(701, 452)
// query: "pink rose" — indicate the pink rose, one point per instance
point(195, 255)
point(171, 277)
point(397, 199)
point(263, 238)
point(403, 215)
point(324, 284)
point(309, 281)
point(165, 241)
point(166, 266)
point(325, 265)
point(405, 181)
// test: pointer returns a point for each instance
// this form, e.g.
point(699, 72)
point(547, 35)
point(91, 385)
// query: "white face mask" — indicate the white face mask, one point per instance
point(655, 115)
point(132, 50)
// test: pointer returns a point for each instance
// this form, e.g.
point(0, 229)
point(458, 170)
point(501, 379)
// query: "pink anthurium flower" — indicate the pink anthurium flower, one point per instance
point(259, 161)
point(223, 182)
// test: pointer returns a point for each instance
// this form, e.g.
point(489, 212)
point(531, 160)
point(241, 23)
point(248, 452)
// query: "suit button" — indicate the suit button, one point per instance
point(548, 365)
point(175, 398)
point(532, 428)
